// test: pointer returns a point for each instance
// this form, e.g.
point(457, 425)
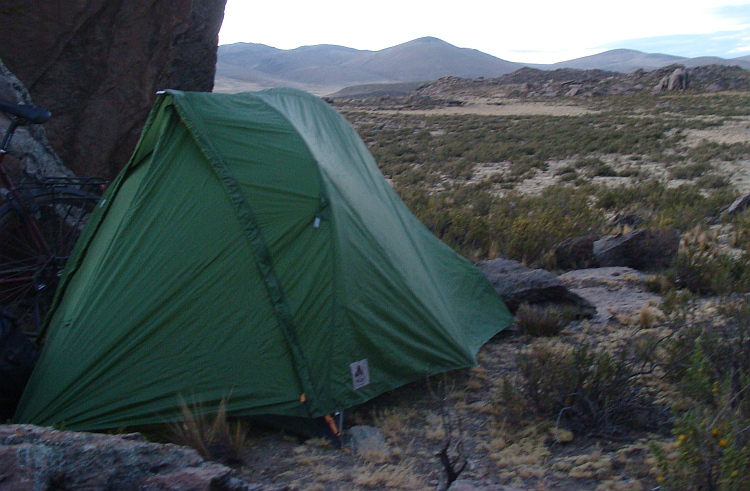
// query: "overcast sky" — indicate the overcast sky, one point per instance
point(543, 31)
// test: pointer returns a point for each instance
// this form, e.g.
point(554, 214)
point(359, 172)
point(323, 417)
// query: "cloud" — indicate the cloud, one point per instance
point(737, 13)
point(725, 44)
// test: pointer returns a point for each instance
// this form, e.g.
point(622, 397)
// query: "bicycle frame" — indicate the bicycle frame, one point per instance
point(17, 201)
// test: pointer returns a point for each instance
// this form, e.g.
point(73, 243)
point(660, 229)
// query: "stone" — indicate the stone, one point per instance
point(97, 66)
point(574, 253)
point(678, 79)
point(33, 457)
point(516, 284)
point(363, 439)
point(738, 205)
point(641, 249)
point(661, 86)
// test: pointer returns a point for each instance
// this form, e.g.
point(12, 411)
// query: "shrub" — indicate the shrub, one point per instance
point(702, 268)
point(590, 392)
point(710, 365)
point(539, 321)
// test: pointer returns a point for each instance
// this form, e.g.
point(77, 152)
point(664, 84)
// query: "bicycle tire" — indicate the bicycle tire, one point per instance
point(29, 275)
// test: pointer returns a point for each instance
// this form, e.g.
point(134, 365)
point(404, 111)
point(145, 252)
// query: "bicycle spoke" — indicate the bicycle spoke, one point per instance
point(29, 274)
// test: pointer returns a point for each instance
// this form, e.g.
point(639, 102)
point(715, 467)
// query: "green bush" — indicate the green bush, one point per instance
point(589, 392)
point(710, 273)
point(710, 364)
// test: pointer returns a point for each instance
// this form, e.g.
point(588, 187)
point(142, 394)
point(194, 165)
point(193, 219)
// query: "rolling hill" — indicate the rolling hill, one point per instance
point(324, 69)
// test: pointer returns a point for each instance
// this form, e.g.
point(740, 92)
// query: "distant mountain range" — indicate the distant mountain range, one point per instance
point(324, 69)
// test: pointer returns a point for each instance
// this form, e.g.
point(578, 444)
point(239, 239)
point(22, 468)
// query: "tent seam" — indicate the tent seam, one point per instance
point(260, 249)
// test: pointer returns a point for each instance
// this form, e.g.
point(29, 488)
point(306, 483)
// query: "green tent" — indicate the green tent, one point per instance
point(251, 250)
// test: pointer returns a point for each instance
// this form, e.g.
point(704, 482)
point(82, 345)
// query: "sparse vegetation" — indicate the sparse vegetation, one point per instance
point(516, 186)
point(645, 398)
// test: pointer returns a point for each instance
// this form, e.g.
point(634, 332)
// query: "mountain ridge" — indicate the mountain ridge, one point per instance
point(325, 68)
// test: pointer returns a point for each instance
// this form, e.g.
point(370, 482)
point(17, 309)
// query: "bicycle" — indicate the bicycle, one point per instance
point(40, 220)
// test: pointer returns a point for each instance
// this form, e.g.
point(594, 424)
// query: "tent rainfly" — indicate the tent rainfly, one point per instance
point(251, 250)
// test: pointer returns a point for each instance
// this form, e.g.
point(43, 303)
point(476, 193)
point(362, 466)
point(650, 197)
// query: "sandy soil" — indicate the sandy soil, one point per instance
point(513, 108)
point(736, 130)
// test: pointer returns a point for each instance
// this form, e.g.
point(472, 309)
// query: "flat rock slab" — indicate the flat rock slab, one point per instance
point(614, 290)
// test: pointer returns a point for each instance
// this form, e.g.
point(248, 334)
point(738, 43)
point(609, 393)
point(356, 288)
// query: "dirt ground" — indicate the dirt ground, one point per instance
point(462, 409)
point(504, 107)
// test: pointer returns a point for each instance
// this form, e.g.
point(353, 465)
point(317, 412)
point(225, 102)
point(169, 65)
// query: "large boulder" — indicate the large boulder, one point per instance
point(640, 249)
point(97, 65)
point(678, 79)
point(33, 457)
point(516, 284)
point(574, 253)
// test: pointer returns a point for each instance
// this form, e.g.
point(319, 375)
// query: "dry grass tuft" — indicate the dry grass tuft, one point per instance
point(539, 321)
point(387, 476)
point(210, 434)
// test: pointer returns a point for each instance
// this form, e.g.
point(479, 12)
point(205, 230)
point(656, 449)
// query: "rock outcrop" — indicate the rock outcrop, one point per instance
point(516, 284)
point(97, 65)
point(641, 249)
point(677, 80)
point(33, 457)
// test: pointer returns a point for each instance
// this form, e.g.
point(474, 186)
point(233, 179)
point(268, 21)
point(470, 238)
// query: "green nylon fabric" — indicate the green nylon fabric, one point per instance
point(251, 250)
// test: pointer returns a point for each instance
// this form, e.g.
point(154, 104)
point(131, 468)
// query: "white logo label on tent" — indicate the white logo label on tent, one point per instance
point(360, 374)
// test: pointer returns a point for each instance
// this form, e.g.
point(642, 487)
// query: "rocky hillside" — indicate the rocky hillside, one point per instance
point(324, 69)
point(532, 82)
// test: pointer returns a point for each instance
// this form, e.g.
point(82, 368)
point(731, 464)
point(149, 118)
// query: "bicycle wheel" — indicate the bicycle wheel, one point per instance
point(30, 271)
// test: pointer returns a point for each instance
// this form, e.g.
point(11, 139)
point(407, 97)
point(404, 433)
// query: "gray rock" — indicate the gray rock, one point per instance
point(574, 253)
point(365, 439)
point(678, 80)
point(516, 284)
point(33, 457)
point(738, 205)
point(640, 249)
point(661, 86)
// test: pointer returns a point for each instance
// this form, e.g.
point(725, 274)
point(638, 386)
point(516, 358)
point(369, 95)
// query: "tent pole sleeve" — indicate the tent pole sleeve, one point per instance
point(262, 256)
